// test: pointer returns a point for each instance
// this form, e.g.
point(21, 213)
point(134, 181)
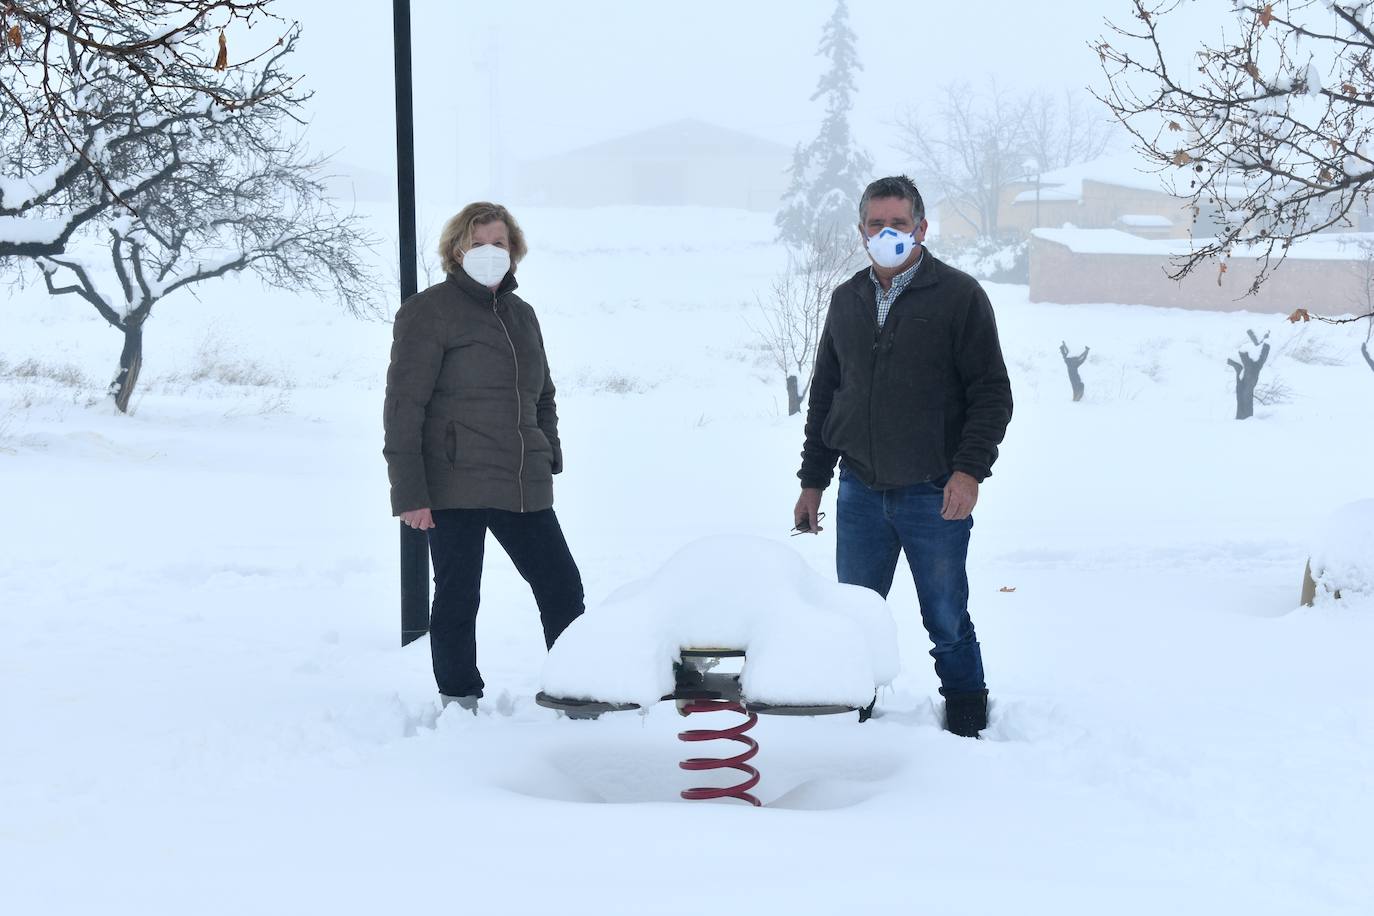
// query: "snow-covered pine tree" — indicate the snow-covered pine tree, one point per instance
point(830, 172)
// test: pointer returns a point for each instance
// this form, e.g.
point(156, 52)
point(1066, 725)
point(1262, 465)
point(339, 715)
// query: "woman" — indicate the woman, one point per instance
point(472, 440)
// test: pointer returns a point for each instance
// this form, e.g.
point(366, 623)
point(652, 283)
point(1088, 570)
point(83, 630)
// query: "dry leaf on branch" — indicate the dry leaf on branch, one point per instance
point(16, 37)
point(1299, 315)
point(1182, 158)
point(1174, 125)
point(1007, 588)
point(1251, 69)
point(1267, 15)
point(222, 61)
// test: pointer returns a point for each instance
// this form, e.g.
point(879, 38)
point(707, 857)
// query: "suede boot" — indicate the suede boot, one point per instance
point(966, 714)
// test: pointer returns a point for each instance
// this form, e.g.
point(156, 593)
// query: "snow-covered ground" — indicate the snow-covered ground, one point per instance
point(204, 709)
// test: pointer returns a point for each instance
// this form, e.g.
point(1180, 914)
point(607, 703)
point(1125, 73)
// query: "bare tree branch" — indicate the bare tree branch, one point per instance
point(1269, 134)
point(209, 194)
point(84, 82)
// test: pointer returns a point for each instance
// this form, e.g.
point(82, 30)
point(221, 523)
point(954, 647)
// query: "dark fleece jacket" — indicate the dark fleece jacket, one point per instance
point(925, 395)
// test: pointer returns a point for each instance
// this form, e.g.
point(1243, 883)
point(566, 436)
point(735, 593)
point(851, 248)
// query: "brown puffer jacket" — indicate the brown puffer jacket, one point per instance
point(470, 418)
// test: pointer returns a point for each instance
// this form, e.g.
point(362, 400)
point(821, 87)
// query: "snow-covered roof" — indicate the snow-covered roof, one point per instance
point(1145, 221)
point(1333, 246)
point(1125, 170)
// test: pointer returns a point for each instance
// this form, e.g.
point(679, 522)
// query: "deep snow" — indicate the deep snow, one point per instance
point(204, 708)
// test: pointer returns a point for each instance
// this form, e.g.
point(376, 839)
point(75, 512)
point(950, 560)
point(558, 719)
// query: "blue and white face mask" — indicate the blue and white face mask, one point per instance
point(890, 248)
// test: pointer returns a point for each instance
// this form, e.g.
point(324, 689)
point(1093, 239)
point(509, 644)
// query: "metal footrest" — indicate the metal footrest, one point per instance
point(580, 708)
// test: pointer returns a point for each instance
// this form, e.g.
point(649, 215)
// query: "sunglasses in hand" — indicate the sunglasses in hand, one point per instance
point(802, 529)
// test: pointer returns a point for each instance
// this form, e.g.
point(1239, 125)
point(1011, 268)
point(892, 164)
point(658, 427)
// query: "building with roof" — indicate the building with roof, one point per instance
point(1113, 192)
point(687, 162)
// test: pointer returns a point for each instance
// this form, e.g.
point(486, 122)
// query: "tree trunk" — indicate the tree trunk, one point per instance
point(794, 400)
point(1364, 351)
point(1245, 396)
point(130, 364)
point(1073, 363)
point(1247, 377)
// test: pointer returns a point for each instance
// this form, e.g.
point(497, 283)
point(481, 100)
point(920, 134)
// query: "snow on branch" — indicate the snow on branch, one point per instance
point(93, 92)
point(1268, 130)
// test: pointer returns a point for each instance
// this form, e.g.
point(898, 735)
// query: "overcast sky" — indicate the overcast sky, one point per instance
point(575, 73)
point(568, 74)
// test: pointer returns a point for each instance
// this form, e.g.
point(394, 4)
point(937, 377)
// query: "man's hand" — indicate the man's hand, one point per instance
point(807, 510)
point(961, 495)
point(418, 518)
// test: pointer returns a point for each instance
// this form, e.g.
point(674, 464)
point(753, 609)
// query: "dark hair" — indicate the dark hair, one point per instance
point(894, 186)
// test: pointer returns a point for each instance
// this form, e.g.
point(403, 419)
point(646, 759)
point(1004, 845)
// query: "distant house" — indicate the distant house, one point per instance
point(1114, 192)
point(684, 162)
point(1107, 231)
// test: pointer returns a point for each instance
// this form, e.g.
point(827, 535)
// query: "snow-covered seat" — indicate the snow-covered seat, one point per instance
point(809, 643)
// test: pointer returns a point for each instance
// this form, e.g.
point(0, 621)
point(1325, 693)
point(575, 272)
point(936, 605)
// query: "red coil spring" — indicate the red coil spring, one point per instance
point(740, 762)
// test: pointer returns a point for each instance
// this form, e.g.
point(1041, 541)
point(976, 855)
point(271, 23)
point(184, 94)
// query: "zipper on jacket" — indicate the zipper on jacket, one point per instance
point(519, 408)
point(872, 383)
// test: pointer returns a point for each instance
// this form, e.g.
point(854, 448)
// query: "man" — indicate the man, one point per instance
point(911, 397)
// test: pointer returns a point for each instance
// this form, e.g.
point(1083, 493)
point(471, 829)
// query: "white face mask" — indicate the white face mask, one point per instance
point(889, 248)
point(487, 264)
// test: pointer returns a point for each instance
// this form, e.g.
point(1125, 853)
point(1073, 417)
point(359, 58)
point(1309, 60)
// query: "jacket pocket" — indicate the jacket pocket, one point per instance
point(838, 420)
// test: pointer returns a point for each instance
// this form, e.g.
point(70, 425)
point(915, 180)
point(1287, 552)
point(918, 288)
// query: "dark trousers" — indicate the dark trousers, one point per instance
point(534, 542)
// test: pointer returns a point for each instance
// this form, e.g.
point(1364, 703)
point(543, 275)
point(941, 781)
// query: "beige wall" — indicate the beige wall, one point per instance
point(1102, 205)
point(1060, 275)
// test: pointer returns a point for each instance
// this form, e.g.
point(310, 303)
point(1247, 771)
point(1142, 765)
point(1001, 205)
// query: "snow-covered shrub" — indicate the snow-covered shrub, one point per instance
point(612, 382)
point(1313, 351)
point(216, 363)
point(995, 260)
point(1343, 558)
point(62, 374)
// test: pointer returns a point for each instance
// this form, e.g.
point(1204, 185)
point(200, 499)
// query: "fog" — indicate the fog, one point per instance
point(497, 85)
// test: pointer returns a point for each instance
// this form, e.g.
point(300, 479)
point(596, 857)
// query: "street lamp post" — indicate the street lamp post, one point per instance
point(1033, 165)
point(414, 543)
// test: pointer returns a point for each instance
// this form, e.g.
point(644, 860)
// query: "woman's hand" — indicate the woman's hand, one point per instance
point(418, 518)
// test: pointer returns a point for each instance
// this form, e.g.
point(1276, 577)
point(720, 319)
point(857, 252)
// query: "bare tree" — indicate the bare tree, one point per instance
point(1063, 131)
point(795, 306)
point(240, 194)
point(973, 148)
point(83, 82)
point(1074, 363)
point(1247, 375)
point(1268, 131)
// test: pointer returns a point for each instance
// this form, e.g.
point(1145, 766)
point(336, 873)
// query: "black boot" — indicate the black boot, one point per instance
point(966, 714)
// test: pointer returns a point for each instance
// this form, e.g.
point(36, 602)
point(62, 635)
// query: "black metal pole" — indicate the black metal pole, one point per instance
point(414, 544)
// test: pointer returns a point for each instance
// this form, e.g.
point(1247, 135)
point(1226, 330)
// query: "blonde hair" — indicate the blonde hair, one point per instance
point(457, 234)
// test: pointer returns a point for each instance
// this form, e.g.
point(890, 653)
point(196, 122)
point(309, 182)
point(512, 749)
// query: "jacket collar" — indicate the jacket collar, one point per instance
point(931, 272)
point(476, 290)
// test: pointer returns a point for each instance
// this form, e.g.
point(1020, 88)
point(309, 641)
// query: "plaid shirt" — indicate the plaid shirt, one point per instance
point(899, 283)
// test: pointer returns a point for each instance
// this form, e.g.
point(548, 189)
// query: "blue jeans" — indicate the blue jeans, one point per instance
point(873, 526)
